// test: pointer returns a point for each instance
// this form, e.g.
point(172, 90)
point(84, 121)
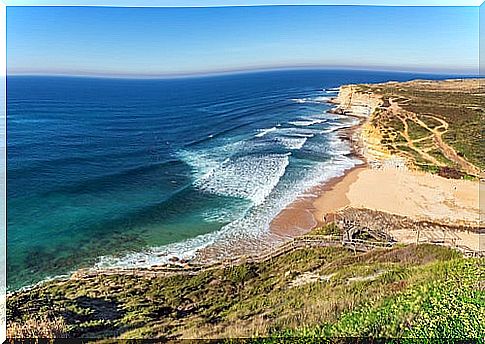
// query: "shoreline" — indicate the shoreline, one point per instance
point(309, 210)
point(294, 226)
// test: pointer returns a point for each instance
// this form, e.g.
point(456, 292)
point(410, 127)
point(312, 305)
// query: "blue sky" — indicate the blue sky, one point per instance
point(161, 41)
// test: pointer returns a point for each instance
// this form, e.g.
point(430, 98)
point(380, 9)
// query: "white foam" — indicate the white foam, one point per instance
point(202, 164)
point(227, 213)
point(336, 127)
point(292, 142)
point(258, 178)
point(216, 215)
point(257, 220)
point(307, 135)
point(321, 99)
point(314, 100)
point(337, 147)
point(251, 177)
point(301, 131)
point(307, 122)
point(159, 255)
point(249, 226)
point(263, 132)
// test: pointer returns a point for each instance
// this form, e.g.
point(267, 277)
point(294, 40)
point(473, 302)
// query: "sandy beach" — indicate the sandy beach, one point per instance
point(415, 195)
point(309, 210)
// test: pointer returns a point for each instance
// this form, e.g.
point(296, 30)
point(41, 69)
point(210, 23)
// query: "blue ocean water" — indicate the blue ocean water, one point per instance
point(122, 171)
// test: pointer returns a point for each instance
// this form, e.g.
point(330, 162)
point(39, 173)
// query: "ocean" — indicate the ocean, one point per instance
point(126, 172)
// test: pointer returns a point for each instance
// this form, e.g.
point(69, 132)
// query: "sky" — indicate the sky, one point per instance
point(212, 3)
point(176, 41)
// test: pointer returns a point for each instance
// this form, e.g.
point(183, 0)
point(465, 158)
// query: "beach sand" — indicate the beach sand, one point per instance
point(415, 195)
point(384, 183)
point(397, 191)
point(307, 212)
point(387, 186)
point(334, 196)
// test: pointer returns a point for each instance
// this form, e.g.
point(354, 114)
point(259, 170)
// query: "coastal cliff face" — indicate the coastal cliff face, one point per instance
point(356, 101)
point(351, 95)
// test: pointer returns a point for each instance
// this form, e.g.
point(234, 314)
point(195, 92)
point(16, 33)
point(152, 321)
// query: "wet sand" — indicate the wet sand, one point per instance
point(390, 188)
point(309, 210)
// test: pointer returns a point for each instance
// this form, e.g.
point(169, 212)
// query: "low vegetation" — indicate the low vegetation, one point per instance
point(410, 291)
point(330, 229)
point(445, 301)
point(437, 126)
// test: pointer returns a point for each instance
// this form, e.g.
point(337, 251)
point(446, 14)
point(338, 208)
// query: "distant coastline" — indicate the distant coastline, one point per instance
point(471, 73)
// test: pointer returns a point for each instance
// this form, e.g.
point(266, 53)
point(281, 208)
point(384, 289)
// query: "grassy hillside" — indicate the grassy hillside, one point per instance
point(417, 291)
point(437, 124)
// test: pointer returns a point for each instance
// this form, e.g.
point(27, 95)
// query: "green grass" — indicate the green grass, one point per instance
point(429, 121)
point(416, 131)
point(424, 144)
point(418, 158)
point(328, 229)
point(438, 155)
point(433, 169)
point(259, 299)
point(444, 301)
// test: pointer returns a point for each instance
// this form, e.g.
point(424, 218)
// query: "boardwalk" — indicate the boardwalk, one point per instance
point(383, 226)
point(303, 242)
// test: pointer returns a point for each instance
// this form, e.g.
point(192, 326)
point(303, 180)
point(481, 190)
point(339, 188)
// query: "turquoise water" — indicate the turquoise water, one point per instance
point(120, 172)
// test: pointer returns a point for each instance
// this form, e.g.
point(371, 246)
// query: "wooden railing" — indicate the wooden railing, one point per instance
point(302, 242)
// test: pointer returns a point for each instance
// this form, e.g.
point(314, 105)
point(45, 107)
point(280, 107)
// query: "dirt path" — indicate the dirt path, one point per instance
point(451, 154)
point(436, 134)
point(404, 116)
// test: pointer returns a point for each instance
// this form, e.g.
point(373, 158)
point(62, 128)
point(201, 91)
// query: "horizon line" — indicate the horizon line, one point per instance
point(468, 73)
